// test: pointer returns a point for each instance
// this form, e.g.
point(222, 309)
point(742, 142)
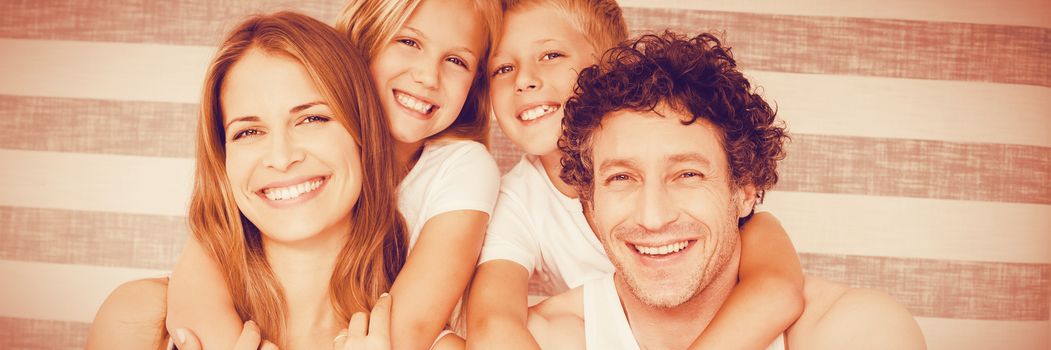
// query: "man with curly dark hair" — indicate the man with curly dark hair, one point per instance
point(670, 149)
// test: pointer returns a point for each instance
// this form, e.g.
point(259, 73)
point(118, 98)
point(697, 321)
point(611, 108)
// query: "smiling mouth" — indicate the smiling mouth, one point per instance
point(662, 250)
point(294, 191)
point(414, 104)
point(537, 112)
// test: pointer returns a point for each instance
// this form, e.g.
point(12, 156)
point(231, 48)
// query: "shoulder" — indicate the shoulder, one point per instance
point(132, 314)
point(457, 151)
point(837, 317)
point(558, 321)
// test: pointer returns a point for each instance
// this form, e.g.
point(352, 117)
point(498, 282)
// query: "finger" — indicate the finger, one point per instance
point(359, 323)
point(341, 340)
point(250, 338)
point(267, 345)
point(379, 318)
point(186, 340)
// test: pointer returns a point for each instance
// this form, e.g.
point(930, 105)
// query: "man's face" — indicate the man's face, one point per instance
point(663, 205)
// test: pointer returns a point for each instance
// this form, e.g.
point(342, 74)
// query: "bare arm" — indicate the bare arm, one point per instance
point(863, 319)
point(199, 300)
point(132, 317)
point(497, 308)
point(435, 276)
point(769, 297)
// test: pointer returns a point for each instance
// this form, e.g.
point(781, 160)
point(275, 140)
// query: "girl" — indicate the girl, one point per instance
point(429, 74)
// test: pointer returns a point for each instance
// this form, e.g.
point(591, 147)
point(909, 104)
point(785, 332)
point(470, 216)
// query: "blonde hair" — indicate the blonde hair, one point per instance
point(601, 21)
point(375, 250)
point(372, 24)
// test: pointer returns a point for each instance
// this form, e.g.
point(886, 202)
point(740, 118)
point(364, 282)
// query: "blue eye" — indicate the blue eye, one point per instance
point(504, 69)
point(551, 55)
point(315, 119)
point(245, 133)
point(457, 61)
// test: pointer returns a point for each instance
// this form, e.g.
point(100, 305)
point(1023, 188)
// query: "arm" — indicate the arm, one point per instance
point(863, 319)
point(497, 311)
point(769, 296)
point(199, 300)
point(131, 317)
point(435, 276)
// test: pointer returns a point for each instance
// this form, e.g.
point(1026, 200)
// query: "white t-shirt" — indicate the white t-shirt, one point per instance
point(450, 175)
point(543, 230)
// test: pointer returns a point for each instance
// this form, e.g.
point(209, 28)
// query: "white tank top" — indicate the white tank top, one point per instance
point(606, 326)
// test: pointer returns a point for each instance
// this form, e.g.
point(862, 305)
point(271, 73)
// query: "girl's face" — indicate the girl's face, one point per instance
point(295, 171)
point(424, 74)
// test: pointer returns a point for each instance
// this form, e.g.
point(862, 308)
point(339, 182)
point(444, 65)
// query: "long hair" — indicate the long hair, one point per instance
point(372, 24)
point(375, 251)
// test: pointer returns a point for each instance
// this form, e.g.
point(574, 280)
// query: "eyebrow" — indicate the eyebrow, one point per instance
point(610, 163)
point(293, 110)
point(424, 37)
point(689, 157)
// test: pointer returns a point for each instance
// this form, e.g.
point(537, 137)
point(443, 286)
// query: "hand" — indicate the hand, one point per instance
point(248, 340)
point(367, 331)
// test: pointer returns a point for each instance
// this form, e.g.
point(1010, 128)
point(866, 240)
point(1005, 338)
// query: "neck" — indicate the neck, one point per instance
point(406, 154)
point(552, 163)
point(304, 270)
point(664, 328)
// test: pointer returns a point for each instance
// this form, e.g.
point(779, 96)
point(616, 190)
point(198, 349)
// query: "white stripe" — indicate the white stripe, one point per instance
point(817, 222)
point(952, 111)
point(1035, 13)
point(101, 70)
point(60, 292)
point(914, 227)
point(96, 182)
point(962, 334)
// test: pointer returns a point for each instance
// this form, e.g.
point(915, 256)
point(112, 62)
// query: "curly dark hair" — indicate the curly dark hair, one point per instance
point(696, 76)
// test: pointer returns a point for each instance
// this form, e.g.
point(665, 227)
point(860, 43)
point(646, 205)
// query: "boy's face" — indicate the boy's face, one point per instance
point(533, 72)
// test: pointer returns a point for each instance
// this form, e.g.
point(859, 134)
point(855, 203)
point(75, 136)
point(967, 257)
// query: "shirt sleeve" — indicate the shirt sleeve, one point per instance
point(510, 235)
point(469, 180)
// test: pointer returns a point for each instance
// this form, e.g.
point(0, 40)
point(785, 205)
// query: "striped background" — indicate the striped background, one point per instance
point(920, 164)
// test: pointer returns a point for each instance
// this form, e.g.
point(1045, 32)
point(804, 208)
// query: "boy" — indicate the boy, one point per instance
point(538, 242)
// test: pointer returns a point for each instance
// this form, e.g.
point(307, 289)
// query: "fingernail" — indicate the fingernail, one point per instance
point(384, 295)
point(251, 323)
point(181, 334)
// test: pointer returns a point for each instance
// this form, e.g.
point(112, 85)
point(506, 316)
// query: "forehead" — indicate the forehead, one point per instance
point(536, 24)
point(451, 23)
point(649, 138)
point(260, 83)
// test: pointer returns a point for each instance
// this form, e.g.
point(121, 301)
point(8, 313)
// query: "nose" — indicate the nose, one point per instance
point(425, 75)
point(656, 209)
point(525, 80)
point(284, 153)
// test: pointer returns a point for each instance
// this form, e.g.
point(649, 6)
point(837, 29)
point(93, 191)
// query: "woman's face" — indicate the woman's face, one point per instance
point(295, 170)
point(423, 75)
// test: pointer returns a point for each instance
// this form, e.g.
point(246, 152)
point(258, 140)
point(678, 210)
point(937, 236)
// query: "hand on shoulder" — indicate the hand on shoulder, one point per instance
point(132, 317)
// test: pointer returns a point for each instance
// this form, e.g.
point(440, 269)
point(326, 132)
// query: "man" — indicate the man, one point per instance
point(670, 151)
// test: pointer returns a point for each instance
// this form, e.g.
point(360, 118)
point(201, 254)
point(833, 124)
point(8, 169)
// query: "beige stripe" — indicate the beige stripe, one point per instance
point(943, 333)
point(20, 333)
point(105, 71)
point(1035, 13)
point(60, 292)
point(941, 288)
point(91, 238)
point(876, 107)
point(909, 108)
point(912, 168)
point(933, 228)
point(98, 126)
point(867, 47)
point(94, 182)
point(914, 227)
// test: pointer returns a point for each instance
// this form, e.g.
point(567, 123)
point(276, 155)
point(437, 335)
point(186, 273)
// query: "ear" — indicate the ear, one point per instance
point(745, 200)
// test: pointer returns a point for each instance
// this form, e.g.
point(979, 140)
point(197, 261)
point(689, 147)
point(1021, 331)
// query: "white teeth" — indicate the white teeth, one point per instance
point(291, 192)
point(536, 112)
point(662, 250)
point(413, 103)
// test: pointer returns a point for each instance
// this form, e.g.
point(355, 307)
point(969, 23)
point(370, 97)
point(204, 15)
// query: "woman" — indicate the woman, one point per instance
point(429, 73)
point(294, 187)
